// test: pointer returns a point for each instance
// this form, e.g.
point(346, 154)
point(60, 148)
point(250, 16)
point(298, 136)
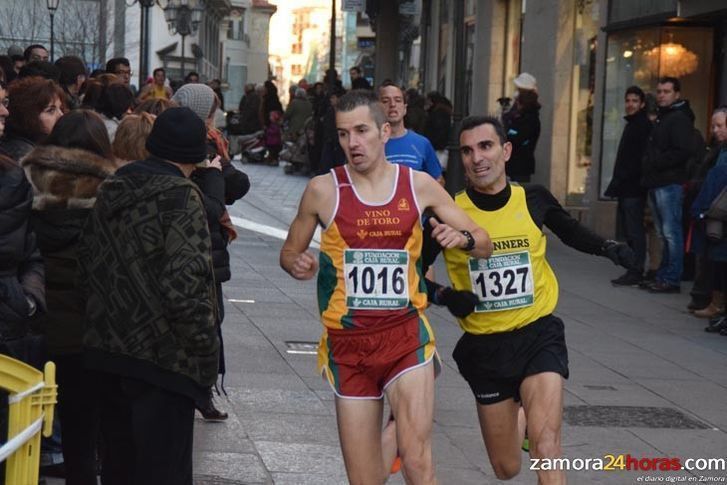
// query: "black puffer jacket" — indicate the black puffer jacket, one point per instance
point(626, 181)
point(212, 184)
point(65, 182)
point(21, 265)
point(670, 147)
point(15, 146)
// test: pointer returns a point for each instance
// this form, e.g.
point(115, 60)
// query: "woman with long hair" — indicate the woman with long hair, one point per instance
point(65, 172)
point(35, 106)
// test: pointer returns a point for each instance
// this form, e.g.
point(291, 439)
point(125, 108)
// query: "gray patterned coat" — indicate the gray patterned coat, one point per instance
point(145, 260)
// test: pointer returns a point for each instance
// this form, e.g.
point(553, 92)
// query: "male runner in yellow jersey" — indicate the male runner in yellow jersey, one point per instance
point(376, 340)
point(513, 350)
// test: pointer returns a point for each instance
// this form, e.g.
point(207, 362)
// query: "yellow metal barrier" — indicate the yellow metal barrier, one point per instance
point(31, 400)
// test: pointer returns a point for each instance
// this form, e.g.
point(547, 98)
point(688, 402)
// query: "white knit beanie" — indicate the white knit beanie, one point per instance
point(197, 97)
point(526, 81)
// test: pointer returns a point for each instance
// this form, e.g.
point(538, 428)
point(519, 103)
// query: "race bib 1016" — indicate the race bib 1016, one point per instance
point(502, 282)
point(376, 279)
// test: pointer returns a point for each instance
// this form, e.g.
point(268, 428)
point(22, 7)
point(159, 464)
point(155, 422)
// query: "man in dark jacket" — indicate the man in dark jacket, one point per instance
point(626, 182)
point(151, 306)
point(664, 170)
point(358, 81)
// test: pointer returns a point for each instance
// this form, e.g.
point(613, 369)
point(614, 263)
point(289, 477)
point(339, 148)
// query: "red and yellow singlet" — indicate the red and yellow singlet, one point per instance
point(370, 270)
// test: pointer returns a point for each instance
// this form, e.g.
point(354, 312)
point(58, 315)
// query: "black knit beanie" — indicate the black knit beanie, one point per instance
point(178, 135)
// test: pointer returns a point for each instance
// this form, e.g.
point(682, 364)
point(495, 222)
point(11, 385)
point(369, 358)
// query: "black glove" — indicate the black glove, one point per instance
point(619, 253)
point(459, 302)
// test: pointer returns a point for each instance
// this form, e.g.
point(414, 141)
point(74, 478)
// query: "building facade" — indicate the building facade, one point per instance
point(245, 35)
point(201, 52)
point(230, 43)
point(584, 54)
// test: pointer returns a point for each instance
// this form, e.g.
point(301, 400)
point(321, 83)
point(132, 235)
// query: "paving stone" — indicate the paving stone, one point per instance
point(630, 417)
point(292, 428)
point(215, 468)
point(225, 436)
point(302, 458)
point(246, 401)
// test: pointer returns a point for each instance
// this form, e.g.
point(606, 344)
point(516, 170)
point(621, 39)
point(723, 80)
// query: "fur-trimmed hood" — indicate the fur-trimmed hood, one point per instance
point(65, 178)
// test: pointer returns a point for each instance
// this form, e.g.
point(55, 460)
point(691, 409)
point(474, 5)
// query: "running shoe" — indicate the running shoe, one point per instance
point(526, 442)
point(396, 466)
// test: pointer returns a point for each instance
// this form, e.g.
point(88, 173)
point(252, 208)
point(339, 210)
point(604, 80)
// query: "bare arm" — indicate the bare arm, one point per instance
point(144, 92)
point(454, 220)
point(294, 256)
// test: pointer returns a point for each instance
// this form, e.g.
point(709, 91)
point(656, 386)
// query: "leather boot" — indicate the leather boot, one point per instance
point(209, 411)
point(715, 307)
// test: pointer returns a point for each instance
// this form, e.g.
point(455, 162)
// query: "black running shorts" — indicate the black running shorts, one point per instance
point(496, 364)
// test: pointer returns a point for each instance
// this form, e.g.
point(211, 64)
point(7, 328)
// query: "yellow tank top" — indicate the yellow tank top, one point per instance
point(158, 92)
point(516, 285)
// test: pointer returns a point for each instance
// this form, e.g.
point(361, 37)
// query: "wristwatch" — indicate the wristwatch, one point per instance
point(470, 241)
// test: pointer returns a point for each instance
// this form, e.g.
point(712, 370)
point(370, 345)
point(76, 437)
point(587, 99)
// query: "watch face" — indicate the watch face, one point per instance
point(470, 241)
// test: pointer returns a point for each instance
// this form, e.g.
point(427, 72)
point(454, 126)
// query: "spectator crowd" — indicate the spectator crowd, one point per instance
point(114, 247)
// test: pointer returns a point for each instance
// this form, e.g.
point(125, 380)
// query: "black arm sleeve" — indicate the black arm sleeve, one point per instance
point(545, 209)
point(432, 287)
point(212, 185)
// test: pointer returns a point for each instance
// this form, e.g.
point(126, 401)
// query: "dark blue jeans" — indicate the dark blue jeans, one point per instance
point(666, 207)
point(631, 222)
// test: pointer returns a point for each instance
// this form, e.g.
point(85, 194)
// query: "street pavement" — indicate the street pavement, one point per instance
point(645, 379)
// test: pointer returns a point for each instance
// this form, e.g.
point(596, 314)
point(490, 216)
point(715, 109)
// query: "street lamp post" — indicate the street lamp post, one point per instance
point(144, 40)
point(332, 53)
point(52, 7)
point(455, 170)
point(182, 19)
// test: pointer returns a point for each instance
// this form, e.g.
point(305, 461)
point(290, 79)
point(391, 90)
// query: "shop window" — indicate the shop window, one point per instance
point(470, 8)
point(582, 89)
point(640, 57)
point(236, 78)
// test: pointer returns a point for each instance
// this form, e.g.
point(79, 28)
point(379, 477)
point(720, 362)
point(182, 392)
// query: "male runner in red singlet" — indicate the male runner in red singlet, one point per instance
point(376, 338)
